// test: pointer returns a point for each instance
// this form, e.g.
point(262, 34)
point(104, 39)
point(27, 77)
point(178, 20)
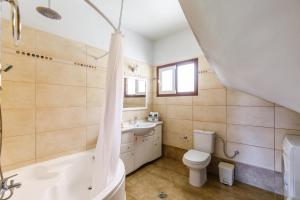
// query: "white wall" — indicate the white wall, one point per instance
point(176, 47)
point(79, 22)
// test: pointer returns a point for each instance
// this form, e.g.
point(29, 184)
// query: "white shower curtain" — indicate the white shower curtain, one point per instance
point(109, 140)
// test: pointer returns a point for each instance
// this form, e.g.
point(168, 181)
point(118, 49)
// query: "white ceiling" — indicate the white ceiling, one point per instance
point(254, 45)
point(153, 19)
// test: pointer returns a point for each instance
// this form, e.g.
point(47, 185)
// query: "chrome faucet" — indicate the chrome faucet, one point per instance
point(5, 187)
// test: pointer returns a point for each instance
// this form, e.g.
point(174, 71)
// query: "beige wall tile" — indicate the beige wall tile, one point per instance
point(96, 78)
point(161, 109)
point(51, 143)
point(219, 128)
point(92, 57)
point(237, 98)
point(17, 165)
point(159, 100)
point(61, 48)
point(140, 114)
point(28, 41)
point(257, 156)
point(18, 149)
point(278, 161)
point(219, 149)
point(18, 95)
point(154, 86)
point(179, 112)
point(93, 115)
point(95, 97)
point(285, 118)
point(279, 136)
point(23, 67)
point(209, 113)
point(255, 116)
point(183, 101)
point(256, 136)
point(209, 81)
point(92, 133)
point(134, 102)
point(60, 96)
point(18, 122)
point(52, 72)
point(203, 63)
point(176, 132)
point(210, 97)
point(51, 119)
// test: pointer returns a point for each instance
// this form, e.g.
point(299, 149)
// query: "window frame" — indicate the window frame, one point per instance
point(176, 64)
point(136, 85)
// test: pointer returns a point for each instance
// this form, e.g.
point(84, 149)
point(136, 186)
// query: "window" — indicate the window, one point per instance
point(178, 79)
point(135, 87)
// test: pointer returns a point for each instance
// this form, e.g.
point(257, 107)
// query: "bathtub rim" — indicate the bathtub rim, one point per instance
point(109, 190)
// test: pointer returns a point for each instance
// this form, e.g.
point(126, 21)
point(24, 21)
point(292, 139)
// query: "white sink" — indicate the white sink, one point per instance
point(143, 128)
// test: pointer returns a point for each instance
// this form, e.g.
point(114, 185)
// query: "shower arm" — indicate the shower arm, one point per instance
point(15, 19)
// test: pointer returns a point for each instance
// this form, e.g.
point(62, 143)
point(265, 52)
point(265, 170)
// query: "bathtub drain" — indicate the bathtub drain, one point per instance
point(162, 195)
point(90, 187)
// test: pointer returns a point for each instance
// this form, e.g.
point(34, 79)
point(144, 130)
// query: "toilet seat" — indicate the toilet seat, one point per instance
point(194, 157)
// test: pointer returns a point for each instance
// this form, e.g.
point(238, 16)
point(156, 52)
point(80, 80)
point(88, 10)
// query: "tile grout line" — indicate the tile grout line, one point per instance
point(35, 107)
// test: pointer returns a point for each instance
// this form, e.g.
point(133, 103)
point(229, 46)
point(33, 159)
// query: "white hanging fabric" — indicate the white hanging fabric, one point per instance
point(109, 139)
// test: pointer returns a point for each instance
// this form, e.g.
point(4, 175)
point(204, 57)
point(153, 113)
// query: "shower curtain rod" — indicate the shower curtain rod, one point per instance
point(108, 21)
point(105, 17)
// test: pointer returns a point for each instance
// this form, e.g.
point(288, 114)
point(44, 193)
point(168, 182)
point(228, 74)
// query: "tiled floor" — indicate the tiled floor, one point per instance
point(171, 177)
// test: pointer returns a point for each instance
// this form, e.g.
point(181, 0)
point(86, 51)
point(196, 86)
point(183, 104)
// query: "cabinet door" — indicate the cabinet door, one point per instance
point(128, 160)
point(143, 149)
point(156, 150)
point(157, 143)
point(139, 151)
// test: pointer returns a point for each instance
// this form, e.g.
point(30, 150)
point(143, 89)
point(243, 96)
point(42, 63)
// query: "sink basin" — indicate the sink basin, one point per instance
point(143, 128)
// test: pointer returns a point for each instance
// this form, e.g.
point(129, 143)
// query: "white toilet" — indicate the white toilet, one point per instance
point(198, 158)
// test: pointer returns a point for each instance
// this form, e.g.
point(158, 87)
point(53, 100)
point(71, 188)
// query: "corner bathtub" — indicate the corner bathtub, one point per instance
point(65, 178)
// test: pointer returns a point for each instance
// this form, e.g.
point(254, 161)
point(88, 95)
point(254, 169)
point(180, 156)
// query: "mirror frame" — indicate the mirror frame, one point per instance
point(146, 95)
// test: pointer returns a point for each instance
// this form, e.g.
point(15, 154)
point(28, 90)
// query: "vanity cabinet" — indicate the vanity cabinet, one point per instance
point(139, 150)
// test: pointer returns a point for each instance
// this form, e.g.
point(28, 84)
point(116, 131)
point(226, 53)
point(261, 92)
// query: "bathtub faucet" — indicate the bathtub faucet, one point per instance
point(5, 187)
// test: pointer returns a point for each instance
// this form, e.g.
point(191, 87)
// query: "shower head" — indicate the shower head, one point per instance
point(48, 12)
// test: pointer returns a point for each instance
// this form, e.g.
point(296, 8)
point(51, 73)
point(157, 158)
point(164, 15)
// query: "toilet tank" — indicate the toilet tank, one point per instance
point(204, 141)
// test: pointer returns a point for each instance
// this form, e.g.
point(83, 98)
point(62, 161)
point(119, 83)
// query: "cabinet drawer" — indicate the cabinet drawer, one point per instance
point(127, 138)
point(126, 147)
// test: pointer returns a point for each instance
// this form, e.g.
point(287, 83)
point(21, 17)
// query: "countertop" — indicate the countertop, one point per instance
point(130, 127)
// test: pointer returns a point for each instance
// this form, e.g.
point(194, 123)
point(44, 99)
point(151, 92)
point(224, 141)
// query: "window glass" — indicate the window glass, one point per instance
point(131, 86)
point(141, 86)
point(186, 78)
point(178, 79)
point(167, 80)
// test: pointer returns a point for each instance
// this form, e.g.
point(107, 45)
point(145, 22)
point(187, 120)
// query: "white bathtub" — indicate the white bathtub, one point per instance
point(65, 178)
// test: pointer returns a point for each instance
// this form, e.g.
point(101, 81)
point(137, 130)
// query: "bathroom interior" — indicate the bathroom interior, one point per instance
point(149, 99)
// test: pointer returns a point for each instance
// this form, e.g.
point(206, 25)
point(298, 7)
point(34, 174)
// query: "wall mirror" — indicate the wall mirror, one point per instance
point(135, 93)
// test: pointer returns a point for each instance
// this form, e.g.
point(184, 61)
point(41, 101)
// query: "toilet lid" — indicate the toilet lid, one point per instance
point(196, 156)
